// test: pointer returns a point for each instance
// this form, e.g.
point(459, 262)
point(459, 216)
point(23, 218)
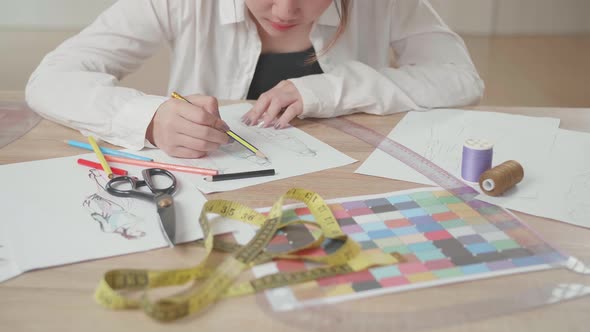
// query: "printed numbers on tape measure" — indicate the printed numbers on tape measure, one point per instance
point(228, 211)
point(219, 282)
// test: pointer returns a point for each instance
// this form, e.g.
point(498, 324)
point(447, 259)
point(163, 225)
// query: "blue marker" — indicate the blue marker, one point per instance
point(108, 151)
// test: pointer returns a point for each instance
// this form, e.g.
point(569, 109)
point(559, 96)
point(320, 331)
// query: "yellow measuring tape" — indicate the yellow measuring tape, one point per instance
point(210, 284)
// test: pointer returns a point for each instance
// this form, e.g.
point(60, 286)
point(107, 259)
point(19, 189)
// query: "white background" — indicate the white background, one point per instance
point(31, 28)
point(480, 17)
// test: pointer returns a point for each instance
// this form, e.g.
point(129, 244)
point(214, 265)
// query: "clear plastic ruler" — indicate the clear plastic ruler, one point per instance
point(548, 294)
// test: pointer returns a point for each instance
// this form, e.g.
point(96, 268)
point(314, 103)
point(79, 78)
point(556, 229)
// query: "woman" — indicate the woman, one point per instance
point(299, 58)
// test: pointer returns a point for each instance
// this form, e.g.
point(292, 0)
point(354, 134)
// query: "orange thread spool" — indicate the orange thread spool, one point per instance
point(495, 181)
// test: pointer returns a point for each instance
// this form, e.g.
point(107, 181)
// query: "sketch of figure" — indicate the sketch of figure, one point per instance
point(284, 140)
point(111, 216)
point(576, 196)
point(443, 152)
point(236, 150)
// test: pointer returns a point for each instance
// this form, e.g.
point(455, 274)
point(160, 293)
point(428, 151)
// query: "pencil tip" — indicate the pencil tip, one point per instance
point(178, 96)
point(261, 155)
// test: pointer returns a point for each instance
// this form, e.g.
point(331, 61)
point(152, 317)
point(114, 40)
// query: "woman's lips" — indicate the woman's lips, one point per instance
point(281, 26)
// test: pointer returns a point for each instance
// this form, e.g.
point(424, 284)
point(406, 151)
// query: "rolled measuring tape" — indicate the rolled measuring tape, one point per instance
point(497, 180)
point(476, 158)
point(212, 282)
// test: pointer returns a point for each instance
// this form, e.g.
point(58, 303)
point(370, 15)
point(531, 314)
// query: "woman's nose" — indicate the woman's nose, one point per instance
point(286, 10)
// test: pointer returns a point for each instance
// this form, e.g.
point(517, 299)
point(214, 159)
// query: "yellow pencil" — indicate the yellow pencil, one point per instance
point(231, 134)
point(99, 155)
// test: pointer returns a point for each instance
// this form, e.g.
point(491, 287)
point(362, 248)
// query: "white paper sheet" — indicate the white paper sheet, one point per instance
point(54, 212)
point(566, 191)
point(439, 135)
point(291, 152)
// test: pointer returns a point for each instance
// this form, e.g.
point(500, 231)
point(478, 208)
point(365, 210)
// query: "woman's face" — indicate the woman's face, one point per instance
point(283, 17)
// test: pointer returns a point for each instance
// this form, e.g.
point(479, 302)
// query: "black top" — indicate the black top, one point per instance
point(275, 67)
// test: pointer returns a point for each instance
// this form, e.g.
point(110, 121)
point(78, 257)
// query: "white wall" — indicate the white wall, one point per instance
point(543, 16)
point(471, 17)
point(516, 17)
point(474, 17)
point(50, 14)
point(31, 28)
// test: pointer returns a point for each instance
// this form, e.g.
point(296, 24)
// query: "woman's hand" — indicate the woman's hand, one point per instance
point(284, 98)
point(188, 131)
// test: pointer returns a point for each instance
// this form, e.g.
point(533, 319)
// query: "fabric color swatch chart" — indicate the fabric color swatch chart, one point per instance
point(441, 239)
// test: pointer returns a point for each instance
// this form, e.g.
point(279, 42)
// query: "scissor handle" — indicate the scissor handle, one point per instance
point(148, 175)
point(113, 185)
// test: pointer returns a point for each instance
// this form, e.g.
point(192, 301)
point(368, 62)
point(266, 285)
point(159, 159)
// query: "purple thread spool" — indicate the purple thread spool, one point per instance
point(477, 158)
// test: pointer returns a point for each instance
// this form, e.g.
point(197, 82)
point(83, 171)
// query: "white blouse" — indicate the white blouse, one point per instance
point(215, 47)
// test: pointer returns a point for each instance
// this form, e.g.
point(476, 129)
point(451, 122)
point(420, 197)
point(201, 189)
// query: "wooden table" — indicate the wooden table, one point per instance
point(60, 298)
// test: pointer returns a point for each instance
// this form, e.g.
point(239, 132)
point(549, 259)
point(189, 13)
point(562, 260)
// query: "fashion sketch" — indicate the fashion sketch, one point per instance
point(112, 217)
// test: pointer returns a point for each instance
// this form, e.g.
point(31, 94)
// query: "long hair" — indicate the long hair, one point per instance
point(343, 13)
point(343, 8)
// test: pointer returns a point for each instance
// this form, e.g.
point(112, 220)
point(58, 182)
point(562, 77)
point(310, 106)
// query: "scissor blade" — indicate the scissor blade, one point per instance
point(167, 215)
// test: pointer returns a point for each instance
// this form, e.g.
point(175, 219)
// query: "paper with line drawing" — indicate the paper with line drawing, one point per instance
point(56, 212)
point(565, 195)
point(438, 135)
point(291, 152)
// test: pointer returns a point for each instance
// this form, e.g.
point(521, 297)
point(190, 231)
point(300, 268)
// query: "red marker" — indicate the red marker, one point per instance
point(92, 164)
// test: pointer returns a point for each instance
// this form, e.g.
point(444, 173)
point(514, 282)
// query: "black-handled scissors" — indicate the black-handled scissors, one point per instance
point(162, 196)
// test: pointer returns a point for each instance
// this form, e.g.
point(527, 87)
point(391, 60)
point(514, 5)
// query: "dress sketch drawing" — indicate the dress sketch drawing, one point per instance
point(277, 137)
point(111, 216)
point(284, 140)
point(238, 151)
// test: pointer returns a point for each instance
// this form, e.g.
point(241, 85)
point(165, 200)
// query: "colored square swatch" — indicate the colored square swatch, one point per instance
point(436, 235)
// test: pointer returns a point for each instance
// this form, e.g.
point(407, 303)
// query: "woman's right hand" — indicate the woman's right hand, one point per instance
point(188, 131)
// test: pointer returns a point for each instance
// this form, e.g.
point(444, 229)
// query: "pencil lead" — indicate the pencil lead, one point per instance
point(261, 155)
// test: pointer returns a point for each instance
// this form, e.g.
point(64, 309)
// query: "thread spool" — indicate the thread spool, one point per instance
point(477, 158)
point(497, 180)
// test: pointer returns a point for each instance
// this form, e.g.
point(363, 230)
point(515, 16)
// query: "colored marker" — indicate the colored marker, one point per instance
point(107, 151)
point(100, 156)
point(241, 175)
point(170, 167)
point(92, 164)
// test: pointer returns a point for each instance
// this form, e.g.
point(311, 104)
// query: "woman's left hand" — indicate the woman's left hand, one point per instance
point(285, 98)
